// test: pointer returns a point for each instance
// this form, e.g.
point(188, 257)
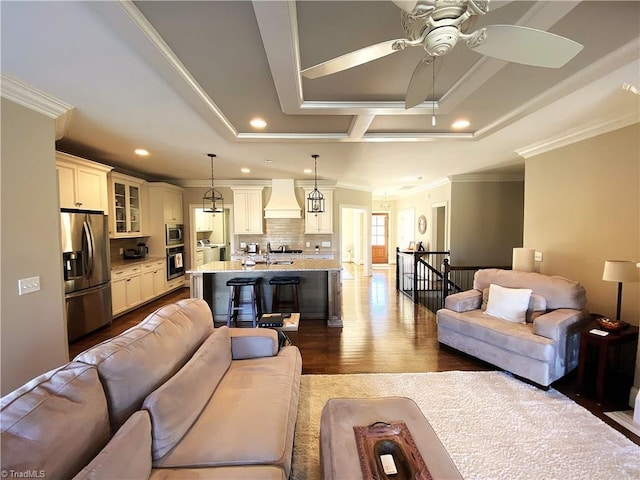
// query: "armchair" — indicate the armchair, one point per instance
point(542, 349)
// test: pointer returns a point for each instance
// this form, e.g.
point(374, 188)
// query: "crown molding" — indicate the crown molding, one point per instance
point(33, 99)
point(621, 57)
point(578, 134)
point(487, 177)
point(423, 188)
point(156, 39)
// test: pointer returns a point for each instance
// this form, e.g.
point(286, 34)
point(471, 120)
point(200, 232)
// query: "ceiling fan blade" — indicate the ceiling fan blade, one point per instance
point(528, 46)
point(350, 60)
point(421, 83)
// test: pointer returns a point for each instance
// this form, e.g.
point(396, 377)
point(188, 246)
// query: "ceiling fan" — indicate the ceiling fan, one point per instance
point(438, 25)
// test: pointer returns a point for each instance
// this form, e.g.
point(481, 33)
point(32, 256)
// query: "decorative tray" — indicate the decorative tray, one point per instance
point(611, 325)
point(389, 439)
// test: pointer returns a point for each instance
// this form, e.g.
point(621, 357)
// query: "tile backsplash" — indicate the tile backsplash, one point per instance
point(285, 231)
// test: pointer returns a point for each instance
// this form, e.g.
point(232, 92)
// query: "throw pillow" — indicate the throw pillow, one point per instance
point(508, 303)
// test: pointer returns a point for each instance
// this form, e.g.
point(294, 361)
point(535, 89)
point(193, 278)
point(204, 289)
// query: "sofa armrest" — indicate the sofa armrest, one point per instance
point(253, 342)
point(557, 324)
point(464, 301)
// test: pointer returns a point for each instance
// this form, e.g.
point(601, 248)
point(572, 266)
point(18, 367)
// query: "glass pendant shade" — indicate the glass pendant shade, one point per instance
point(315, 200)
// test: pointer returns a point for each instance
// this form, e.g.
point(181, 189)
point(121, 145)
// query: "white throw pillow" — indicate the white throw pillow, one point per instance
point(508, 303)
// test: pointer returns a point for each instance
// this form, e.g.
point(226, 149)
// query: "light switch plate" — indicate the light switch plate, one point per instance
point(538, 257)
point(28, 285)
point(326, 244)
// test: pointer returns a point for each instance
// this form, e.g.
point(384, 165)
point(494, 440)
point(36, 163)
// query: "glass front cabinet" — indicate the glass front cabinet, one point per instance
point(126, 206)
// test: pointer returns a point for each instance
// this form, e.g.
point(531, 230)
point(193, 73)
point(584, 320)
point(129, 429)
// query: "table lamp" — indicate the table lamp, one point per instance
point(619, 271)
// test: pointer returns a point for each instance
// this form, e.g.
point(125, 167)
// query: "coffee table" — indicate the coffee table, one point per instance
point(338, 450)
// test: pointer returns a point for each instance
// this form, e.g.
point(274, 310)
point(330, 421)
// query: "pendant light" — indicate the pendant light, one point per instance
point(385, 204)
point(212, 201)
point(315, 200)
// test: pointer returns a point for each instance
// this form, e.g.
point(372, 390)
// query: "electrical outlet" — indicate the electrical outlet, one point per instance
point(538, 257)
point(308, 244)
point(121, 251)
point(28, 285)
point(243, 244)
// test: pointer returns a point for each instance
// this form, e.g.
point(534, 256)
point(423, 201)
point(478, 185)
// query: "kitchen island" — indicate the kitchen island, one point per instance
point(319, 292)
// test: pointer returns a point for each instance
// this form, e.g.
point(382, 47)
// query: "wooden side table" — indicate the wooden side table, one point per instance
point(612, 341)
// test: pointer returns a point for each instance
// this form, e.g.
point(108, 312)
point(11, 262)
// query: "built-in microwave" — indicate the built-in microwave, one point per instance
point(174, 234)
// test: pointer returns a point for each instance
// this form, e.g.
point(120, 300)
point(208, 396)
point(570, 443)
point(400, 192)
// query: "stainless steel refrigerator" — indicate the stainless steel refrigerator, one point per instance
point(87, 273)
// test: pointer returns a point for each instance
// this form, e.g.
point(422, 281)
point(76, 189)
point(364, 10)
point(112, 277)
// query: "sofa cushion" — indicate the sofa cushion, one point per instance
point(515, 337)
point(244, 472)
point(508, 303)
point(464, 301)
point(253, 342)
point(537, 305)
point(559, 292)
point(252, 412)
point(56, 423)
point(127, 455)
point(177, 403)
point(139, 360)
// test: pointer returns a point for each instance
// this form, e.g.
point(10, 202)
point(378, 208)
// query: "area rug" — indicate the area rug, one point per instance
point(493, 425)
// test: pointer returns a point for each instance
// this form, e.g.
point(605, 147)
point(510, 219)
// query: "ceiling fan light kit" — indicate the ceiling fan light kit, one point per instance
point(438, 25)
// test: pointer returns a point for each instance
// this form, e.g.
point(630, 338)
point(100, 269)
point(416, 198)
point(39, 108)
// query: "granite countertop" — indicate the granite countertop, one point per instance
point(295, 266)
point(128, 262)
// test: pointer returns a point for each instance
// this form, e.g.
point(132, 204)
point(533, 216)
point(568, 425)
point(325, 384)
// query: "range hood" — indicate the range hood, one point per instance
point(283, 202)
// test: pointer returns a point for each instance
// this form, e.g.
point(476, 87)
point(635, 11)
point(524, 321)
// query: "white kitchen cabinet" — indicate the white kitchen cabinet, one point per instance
point(153, 275)
point(199, 258)
point(247, 211)
point(127, 207)
point(82, 184)
point(204, 221)
point(126, 288)
point(172, 204)
point(320, 222)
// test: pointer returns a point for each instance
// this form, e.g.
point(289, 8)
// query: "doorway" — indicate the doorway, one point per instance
point(355, 236)
point(379, 238)
point(439, 227)
point(215, 228)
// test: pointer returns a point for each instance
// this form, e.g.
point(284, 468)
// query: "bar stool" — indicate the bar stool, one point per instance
point(235, 299)
point(276, 302)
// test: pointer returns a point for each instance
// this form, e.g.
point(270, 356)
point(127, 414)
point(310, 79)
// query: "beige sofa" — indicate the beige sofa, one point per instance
point(169, 398)
point(542, 349)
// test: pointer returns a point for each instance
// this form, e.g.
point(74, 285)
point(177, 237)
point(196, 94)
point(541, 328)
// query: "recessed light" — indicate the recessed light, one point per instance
point(142, 152)
point(308, 170)
point(258, 123)
point(245, 170)
point(460, 124)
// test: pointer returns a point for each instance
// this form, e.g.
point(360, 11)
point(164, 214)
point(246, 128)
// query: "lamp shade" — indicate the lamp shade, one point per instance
point(620, 271)
point(524, 259)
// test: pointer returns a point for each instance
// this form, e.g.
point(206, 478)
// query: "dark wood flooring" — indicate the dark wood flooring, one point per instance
point(384, 332)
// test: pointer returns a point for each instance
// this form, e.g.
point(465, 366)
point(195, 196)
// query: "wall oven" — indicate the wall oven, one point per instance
point(175, 262)
point(174, 234)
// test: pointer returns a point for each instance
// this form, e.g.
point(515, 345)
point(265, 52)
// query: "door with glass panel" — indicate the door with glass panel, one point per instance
point(379, 238)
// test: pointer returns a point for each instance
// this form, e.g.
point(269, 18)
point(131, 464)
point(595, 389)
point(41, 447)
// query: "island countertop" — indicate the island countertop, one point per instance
point(295, 266)
point(319, 287)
